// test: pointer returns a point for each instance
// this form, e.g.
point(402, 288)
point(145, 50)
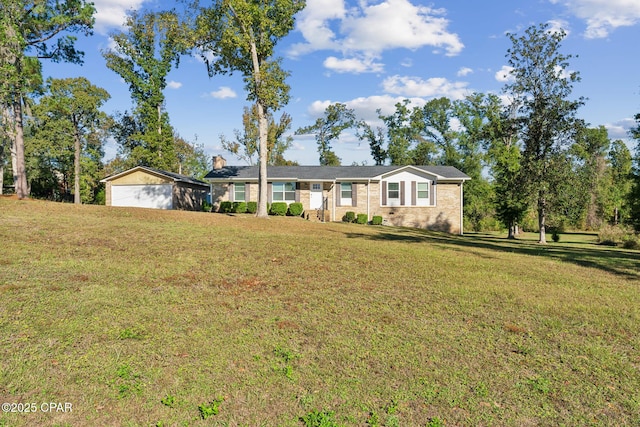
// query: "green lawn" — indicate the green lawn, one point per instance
point(143, 318)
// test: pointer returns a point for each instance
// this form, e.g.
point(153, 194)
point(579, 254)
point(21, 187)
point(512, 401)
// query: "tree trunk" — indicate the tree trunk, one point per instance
point(262, 129)
point(20, 172)
point(542, 219)
point(512, 231)
point(76, 167)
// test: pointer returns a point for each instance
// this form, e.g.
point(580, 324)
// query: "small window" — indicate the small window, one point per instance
point(393, 190)
point(316, 187)
point(345, 190)
point(422, 190)
point(239, 194)
point(284, 192)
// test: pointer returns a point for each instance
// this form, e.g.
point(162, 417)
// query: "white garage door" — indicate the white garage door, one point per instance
point(156, 196)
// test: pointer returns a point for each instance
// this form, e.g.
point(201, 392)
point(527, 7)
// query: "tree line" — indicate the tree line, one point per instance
point(533, 163)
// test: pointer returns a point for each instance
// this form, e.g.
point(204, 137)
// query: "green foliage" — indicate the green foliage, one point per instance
point(278, 208)
point(207, 206)
point(362, 219)
point(376, 220)
point(226, 207)
point(317, 418)
point(252, 207)
point(349, 216)
point(239, 207)
point(631, 241)
point(37, 29)
point(168, 400)
point(541, 86)
point(246, 143)
point(67, 137)
point(295, 209)
point(127, 381)
point(142, 57)
point(337, 118)
point(435, 422)
point(614, 235)
point(210, 409)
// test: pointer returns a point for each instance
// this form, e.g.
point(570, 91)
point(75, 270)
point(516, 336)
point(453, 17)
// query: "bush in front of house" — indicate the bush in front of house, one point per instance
point(225, 207)
point(278, 209)
point(376, 220)
point(206, 206)
point(252, 207)
point(349, 217)
point(239, 207)
point(295, 209)
point(362, 219)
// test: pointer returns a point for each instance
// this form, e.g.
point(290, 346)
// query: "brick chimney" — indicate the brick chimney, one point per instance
point(219, 162)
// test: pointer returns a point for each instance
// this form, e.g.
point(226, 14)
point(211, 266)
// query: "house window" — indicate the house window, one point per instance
point(284, 192)
point(422, 191)
point(393, 191)
point(316, 187)
point(345, 193)
point(239, 194)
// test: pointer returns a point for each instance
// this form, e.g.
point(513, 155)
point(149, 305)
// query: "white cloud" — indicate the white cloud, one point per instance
point(223, 92)
point(603, 16)
point(504, 75)
point(112, 14)
point(367, 30)
point(620, 129)
point(353, 65)
point(464, 71)
point(174, 85)
point(430, 88)
point(557, 25)
point(366, 108)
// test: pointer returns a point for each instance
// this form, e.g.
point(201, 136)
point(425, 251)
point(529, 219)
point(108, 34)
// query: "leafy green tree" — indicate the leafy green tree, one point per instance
point(193, 161)
point(590, 150)
point(405, 145)
point(376, 139)
point(246, 143)
point(540, 88)
point(70, 110)
point(328, 128)
point(634, 195)
point(617, 184)
point(143, 56)
point(28, 32)
point(241, 36)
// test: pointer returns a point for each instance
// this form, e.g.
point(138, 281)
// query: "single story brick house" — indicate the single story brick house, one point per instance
point(145, 187)
point(427, 197)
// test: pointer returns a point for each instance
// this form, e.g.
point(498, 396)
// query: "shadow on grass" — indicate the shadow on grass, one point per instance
point(622, 262)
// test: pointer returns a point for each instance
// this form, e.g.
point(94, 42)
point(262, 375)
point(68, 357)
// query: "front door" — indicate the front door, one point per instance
point(315, 201)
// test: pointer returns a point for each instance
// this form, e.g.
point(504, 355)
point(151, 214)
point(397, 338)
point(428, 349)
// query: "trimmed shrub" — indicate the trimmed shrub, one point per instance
point(225, 207)
point(206, 206)
point(278, 209)
point(295, 209)
point(362, 219)
point(349, 217)
point(239, 207)
point(252, 207)
point(376, 220)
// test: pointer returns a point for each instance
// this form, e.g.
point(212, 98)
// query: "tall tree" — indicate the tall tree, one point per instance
point(143, 56)
point(376, 139)
point(246, 143)
point(617, 184)
point(28, 32)
point(241, 36)
point(328, 128)
point(74, 104)
point(541, 88)
point(634, 195)
point(194, 162)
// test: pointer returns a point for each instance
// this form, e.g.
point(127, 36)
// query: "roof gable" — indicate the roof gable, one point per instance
point(175, 177)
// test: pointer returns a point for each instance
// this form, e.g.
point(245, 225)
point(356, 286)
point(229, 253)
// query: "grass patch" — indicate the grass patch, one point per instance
point(143, 317)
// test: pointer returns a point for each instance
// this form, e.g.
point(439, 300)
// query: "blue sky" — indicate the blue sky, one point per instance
point(372, 54)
